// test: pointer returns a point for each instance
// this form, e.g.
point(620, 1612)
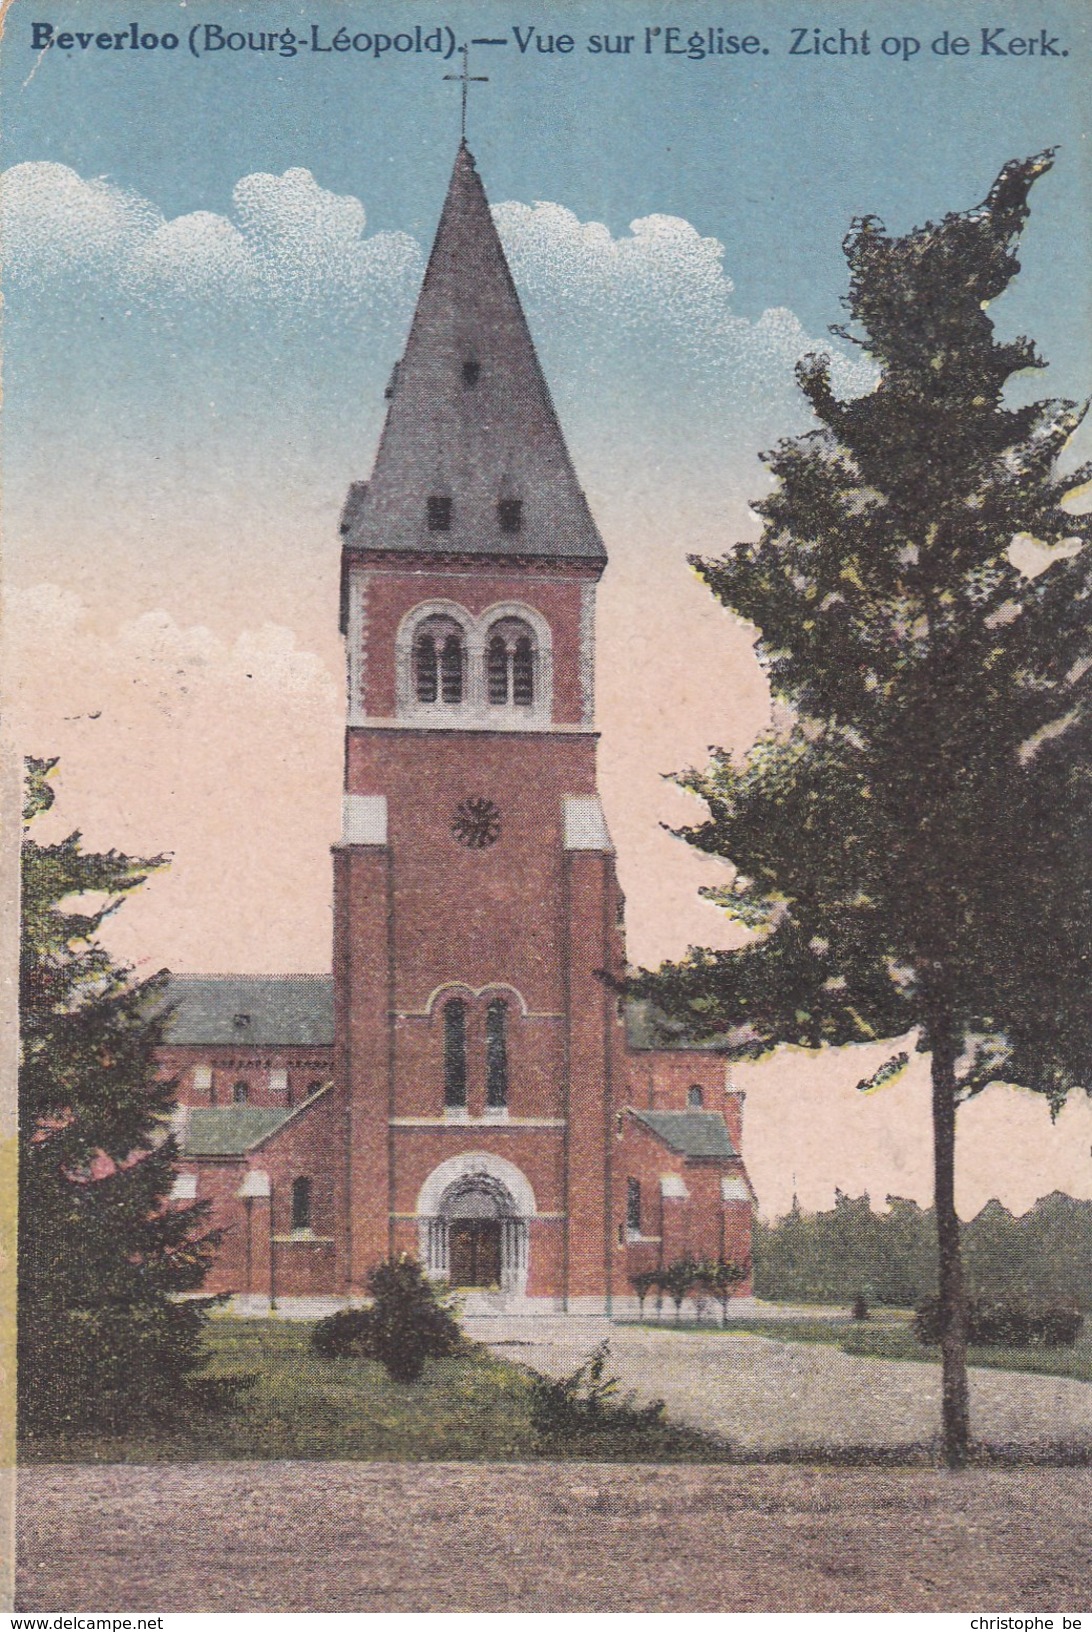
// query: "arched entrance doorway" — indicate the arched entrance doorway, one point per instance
point(473, 1214)
point(476, 1211)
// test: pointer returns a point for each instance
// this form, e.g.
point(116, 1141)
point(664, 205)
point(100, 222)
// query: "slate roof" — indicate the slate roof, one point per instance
point(252, 1010)
point(229, 1130)
point(470, 414)
point(691, 1133)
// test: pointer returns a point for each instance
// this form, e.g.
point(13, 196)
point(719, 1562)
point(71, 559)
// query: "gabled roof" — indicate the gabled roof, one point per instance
point(232, 1130)
point(470, 415)
point(690, 1133)
point(256, 1010)
point(229, 1130)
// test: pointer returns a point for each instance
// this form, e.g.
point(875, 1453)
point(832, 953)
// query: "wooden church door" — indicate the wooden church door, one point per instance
point(474, 1246)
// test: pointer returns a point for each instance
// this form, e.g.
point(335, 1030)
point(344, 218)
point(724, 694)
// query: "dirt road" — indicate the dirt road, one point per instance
point(554, 1536)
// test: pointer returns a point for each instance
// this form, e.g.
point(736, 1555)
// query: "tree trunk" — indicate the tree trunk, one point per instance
point(953, 1306)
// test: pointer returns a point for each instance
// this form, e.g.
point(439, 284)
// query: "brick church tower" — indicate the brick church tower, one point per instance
point(465, 1087)
point(475, 900)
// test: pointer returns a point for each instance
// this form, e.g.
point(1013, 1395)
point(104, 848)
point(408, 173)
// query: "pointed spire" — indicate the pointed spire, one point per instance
point(471, 426)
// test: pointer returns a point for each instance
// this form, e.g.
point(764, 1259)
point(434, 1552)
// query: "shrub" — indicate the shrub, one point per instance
point(678, 1279)
point(585, 1402)
point(720, 1277)
point(1008, 1324)
point(408, 1323)
point(642, 1284)
point(347, 1332)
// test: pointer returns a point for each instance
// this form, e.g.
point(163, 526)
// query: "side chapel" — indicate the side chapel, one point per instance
point(464, 1086)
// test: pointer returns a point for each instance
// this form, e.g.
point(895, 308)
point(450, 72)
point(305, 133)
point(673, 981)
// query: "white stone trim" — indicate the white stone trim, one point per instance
point(184, 1187)
point(356, 645)
point(673, 1187)
point(379, 722)
point(202, 1079)
point(468, 1165)
point(278, 1080)
point(587, 653)
point(475, 711)
point(733, 1188)
point(364, 818)
point(457, 1117)
point(255, 1185)
point(584, 825)
point(450, 986)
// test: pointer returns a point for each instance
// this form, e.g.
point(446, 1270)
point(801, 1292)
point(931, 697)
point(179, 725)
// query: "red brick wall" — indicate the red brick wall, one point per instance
point(701, 1224)
point(249, 1063)
point(393, 592)
point(302, 1149)
point(474, 915)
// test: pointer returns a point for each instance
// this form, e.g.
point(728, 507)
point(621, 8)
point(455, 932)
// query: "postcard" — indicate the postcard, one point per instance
point(546, 668)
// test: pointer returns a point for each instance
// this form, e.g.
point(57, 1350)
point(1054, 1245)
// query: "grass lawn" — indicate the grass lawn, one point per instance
point(888, 1336)
point(468, 1407)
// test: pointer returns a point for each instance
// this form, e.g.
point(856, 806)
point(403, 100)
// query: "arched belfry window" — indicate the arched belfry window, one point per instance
point(511, 663)
point(439, 662)
point(456, 670)
point(455, 1054)
point(496, 1053)
point(695, 1097)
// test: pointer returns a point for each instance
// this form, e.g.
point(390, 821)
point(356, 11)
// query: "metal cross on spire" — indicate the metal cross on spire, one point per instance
point(466, 79)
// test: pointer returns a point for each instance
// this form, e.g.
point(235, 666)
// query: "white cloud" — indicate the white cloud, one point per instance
point(663, 280)
point(182, 673)
point(290, 240)
point(54, 221)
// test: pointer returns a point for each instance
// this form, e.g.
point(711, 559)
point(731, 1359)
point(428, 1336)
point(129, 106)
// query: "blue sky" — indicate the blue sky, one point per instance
point(771, 154)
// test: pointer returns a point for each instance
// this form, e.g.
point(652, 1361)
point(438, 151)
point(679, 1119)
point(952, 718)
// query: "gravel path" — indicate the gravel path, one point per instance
point(555, 1536)
point(762, 1395)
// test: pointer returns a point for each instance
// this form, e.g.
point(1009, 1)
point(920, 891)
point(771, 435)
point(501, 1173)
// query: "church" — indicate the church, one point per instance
point(465, 1085)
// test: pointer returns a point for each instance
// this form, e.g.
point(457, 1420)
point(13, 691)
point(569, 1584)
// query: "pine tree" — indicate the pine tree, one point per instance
point(913, 846)
point(101, 1338)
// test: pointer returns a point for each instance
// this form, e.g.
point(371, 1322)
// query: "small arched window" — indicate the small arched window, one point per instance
point(496, 1053)
point(511, 664)
point(695, 1097)
point(240, 1093)
point(633, 1206)
point(439, 662)
point(455, 1054)
point(301, 1204)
